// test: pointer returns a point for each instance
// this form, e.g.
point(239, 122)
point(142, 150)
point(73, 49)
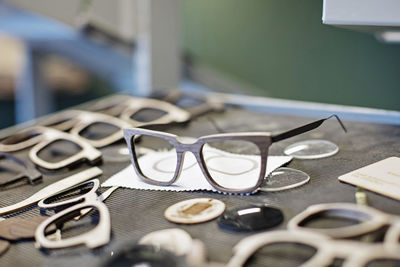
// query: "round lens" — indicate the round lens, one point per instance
point(251, 218)
point(284, 179)
point(312, 149)
point(233, 164)
point(158, 166)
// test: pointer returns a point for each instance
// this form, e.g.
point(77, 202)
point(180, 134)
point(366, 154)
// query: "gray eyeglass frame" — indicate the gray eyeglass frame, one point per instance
point(261, 139)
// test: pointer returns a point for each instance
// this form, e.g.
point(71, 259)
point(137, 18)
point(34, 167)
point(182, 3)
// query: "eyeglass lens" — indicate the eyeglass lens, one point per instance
point(233, 164)
point(161, 169)
point(312, 149)
point(284, 179)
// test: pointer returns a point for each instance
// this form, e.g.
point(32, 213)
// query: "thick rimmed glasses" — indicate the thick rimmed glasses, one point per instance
point(223, 158)
point(141, 111)
point(313, 249)
point(41, 139)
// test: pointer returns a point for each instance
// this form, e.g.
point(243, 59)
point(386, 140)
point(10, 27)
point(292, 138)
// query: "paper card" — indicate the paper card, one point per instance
point(191, 177)
point(382, 177)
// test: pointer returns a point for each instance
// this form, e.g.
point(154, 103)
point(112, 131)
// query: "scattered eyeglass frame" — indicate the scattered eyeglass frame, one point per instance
point(125, 107)
point(71, 208)
point(39, 138)
point(28, 171)
point(262, 140)
point(53, 189)
point(354, 253)
point(368, 220)
point(196, 104)
point(77, 121)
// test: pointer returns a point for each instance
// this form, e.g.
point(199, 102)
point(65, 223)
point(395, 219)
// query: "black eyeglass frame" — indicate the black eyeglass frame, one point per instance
point(262, 140)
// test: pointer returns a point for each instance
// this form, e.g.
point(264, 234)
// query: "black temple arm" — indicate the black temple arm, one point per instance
point(304, 128)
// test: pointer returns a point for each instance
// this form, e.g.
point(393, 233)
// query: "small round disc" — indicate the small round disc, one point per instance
point(283, 179)
point(250, 218)
point(312, 149)
point(195, 210)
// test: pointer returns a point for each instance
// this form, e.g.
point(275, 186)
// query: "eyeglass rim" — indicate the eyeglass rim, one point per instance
point(260, 139)
point(88, 152)
point(96, 237)
point(46, 206)
point(348, 210)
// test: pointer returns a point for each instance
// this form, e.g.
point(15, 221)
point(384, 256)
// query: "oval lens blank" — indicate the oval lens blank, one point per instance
point(312, 149)
point(284, 179)
point(158, 167)
point(233, 164)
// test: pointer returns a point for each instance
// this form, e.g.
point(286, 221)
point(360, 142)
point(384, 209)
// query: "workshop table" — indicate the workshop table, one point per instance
point(135, 213)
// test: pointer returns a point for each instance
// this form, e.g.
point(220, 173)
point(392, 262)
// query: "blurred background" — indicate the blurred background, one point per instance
point(55, 54)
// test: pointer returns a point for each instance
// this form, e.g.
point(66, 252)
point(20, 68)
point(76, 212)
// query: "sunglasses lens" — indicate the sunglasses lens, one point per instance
point(147, 114)
point(252, 218)
point(281, 254)
point(159, 168)
point(233, 164)
point(59, 150)
point(98, 130)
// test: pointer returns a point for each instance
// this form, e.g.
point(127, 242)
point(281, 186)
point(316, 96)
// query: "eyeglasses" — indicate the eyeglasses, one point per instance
point(368, 220)
point(242, 153)
point(25, 170)
point(141, 111)
point(195, 104)
point(108, 129)
point(322, 250)
point(87, 199)
point(43, 139)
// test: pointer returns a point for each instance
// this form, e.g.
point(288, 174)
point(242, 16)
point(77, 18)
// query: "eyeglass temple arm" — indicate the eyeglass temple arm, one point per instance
point(304, 129)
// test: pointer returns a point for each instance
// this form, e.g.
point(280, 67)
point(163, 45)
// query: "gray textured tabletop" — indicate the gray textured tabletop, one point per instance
point(136, 212)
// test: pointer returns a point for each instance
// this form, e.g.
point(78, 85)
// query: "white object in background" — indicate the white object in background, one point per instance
point(377, 16)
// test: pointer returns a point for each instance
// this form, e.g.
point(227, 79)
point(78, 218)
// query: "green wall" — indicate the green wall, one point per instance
point(282, 47)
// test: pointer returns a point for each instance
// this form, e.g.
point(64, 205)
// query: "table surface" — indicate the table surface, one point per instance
point(135, 213)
